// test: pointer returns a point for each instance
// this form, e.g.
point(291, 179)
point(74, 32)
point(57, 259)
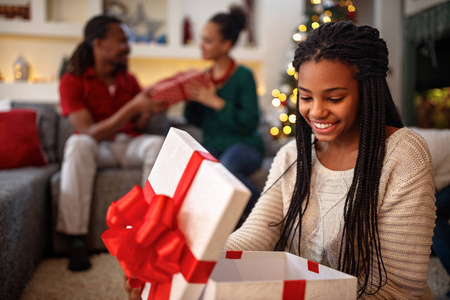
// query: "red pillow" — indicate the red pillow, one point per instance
point(19, 140)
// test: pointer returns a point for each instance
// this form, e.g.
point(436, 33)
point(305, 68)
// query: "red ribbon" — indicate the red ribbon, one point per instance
point(144, 236)
point(294, 289)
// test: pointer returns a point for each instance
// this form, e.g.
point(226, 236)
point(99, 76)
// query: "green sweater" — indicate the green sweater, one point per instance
point(237, 121)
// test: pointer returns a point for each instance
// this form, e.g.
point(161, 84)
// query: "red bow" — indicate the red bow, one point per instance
point(144, 236)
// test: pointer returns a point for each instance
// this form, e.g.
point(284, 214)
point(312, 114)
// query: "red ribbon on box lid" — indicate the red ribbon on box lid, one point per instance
point(175, 89)
point(144, 236)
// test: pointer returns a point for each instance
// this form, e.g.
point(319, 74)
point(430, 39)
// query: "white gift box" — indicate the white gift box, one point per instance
point(275, 275)
point(211, 207)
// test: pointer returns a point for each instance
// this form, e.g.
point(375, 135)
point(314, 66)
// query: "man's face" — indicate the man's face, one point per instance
point(114, 47)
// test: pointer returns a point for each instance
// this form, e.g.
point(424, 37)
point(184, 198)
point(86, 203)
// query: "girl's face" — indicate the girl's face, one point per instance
point(329, 100)
point(213, 45)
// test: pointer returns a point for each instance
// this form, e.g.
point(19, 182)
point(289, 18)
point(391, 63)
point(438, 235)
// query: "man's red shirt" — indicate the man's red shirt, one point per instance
point(88, 91)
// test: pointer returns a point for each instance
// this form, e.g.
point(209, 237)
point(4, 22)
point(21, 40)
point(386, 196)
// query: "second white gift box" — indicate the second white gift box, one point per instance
point(270, 275)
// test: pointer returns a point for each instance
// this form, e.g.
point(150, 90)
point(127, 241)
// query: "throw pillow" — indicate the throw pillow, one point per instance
point(19, 140)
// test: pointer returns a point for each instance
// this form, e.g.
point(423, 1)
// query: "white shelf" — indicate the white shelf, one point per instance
point(31, 92)
point(27, 28)
point(187, 52)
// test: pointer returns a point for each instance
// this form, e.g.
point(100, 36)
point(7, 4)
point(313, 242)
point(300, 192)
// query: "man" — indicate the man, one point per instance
point(106, 107)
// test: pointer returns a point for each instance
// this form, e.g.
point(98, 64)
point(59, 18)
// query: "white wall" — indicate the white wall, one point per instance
point(280, 20)
point(388, 20)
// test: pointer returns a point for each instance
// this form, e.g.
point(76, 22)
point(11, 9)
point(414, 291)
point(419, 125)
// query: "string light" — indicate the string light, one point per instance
point(302, 28)
point(287, 130)
point(293, 98)
point(297, 37)
point(275, 93)
point(351, 8)
point(326, 19)
point(292, 118)
point(314, 25)
point(290, 70)
point(274, 131)
point(315, 1)
point(276, 102)
point(283, 117)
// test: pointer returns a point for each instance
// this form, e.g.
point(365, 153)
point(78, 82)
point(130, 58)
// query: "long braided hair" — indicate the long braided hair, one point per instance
point(362, 48)
point(83, 56)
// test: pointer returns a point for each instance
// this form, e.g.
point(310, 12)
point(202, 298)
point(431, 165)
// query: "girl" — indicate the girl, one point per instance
point(360, 198)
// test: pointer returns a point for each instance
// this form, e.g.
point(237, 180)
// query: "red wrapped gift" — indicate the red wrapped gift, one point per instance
point(175, 89)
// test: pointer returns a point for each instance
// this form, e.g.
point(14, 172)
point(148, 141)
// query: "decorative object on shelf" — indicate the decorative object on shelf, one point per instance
point(15, 11)
point(21, 69)
point(187, 31)
point(142, 28)
point(117, 9)
point(317, 12)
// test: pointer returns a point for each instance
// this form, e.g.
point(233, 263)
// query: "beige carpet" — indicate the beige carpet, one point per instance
point(52, 280)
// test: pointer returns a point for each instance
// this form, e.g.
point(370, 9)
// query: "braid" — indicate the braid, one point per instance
point(83, 56)
point(362, 49)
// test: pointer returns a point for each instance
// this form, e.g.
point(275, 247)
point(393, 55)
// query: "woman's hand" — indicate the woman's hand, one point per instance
point(205, 95)
point(133, 293)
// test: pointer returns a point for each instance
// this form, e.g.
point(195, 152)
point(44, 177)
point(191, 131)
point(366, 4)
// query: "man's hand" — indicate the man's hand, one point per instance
point(143, 104)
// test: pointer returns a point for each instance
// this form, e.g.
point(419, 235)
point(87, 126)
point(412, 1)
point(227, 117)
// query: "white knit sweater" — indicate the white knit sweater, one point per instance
point(406, 214)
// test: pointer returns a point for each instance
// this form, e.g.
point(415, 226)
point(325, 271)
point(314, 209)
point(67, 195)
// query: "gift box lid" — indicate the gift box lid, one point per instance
point(211, 208)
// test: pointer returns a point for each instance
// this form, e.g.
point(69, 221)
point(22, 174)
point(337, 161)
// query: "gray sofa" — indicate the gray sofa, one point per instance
point(25, 211)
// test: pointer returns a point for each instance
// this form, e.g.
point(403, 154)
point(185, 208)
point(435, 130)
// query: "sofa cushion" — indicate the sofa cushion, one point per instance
point(19, 140)
point(48, 126)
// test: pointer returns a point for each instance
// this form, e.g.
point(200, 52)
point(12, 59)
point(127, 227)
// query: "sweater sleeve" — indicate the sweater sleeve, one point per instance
point(256, 234)
point(406, 219)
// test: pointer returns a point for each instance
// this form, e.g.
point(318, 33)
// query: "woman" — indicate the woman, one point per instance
point(361, 198)
point(227, 111)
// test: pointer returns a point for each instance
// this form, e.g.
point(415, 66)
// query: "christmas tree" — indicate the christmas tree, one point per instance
point(316, 12)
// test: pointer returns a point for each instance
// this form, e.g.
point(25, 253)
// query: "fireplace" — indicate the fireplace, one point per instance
point(426, 73)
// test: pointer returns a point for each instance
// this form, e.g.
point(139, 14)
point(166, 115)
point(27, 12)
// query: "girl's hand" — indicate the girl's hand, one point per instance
point(133, 293)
